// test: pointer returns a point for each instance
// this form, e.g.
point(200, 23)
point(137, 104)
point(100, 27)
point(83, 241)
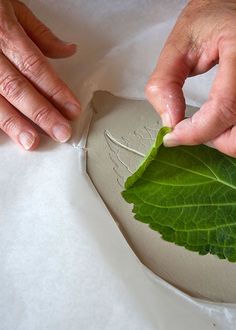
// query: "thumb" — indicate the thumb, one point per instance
point(218, 114)
point(40, 34)
point(164, 89)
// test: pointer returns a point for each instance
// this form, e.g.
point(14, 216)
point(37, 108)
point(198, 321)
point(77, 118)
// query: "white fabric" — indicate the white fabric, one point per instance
point(64, 263)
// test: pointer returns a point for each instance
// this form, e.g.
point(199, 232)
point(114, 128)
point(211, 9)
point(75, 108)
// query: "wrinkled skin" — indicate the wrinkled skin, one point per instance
point(30, 91)
point(204, 35)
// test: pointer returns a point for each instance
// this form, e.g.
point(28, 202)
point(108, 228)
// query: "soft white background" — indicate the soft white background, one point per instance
point(64, 263)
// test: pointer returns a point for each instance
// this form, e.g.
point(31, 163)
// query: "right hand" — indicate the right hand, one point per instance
point(29, 88)
point(204, 34)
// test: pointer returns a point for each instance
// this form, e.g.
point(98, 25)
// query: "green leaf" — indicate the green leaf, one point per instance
point(188, 195)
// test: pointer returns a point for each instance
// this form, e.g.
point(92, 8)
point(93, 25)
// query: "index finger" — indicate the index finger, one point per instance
point(217, 114)
point(164, 89)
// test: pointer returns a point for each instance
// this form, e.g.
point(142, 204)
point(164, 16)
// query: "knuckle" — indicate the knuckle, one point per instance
point(42, 116)
point(42, 31)
point(11, 86)
point(152, 89)
point(56, 91)
point(8, 24)
point(32, 64)
point(227, 111)
point(9, 124)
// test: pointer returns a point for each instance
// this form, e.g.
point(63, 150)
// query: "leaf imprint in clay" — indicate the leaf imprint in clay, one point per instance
point(188, 195)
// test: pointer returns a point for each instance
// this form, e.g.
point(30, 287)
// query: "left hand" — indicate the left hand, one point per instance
point(30, 90)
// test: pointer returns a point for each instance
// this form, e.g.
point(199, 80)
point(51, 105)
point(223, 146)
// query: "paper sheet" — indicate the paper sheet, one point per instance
point(64, 263)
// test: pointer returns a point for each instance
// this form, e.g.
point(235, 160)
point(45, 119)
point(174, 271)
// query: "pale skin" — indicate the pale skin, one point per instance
point(30, 90)
point(204, 35)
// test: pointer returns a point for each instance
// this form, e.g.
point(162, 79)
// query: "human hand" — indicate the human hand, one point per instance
point(204, 35)
point(29, 88)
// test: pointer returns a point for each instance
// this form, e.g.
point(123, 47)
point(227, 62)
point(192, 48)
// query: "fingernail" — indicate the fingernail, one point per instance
point(169, 140)
point(67, 42)
point(26, 140)
point(166, 121)
point(62, 133)
point(72, 108)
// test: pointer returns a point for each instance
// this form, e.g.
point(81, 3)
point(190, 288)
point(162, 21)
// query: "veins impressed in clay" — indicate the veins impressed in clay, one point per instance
point(127, 152)
point(111, 138)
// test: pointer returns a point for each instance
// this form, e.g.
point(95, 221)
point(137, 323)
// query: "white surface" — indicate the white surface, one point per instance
point(135, 123)
point(64, 263)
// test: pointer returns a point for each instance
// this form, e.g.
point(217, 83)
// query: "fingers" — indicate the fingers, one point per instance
point(27, 81)
point(164, 89)
point(23, 96)
point(17, 128)
point(226, 142)
point(42, 36)
point(23, 53)
point(216, 115)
